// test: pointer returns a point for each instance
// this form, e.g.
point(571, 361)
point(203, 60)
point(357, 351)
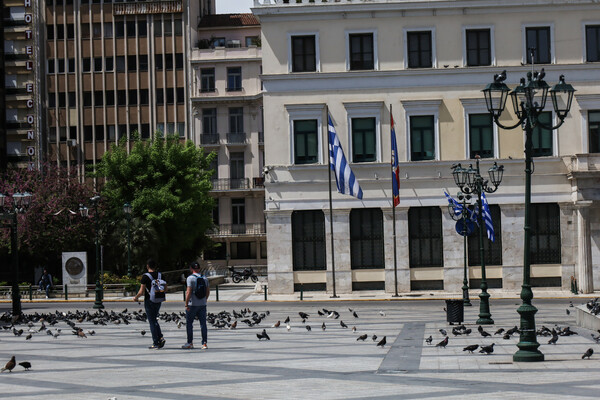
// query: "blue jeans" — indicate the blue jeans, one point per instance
point(47, 289)
point(152, 310)
point(190, 315)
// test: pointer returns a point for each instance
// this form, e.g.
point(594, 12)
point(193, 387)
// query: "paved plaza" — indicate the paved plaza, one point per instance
point(301, 364)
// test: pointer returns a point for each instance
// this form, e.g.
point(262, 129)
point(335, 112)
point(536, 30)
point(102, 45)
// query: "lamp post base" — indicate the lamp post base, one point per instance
point(528, 345)
point(485, 317)
point(466, 300)
point(99, 295)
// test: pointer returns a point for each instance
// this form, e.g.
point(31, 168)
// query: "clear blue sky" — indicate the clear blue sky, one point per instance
point(233, 6)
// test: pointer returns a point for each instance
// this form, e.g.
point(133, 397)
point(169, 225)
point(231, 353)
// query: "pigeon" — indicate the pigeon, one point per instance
point(12, 363)
point(234, 325)
point(429, 340)
point(487, 349)
point(320, 313)
point(288, 327)
point(471, 348)
point(28, 337)
point(303, 315)
point(382, 313)
point(355, 314)
point(553, 340)
point(456, 332)
point(323, 327)
point(587, 354)
point(276, 324)
point(382, 342)
point(287, 320)
point(499, 331)
point(91, 333)
point(308, 328)
point(484, 333)
point(501, 77)
point(506, 336)
point(468, 331)
point(541, 75)
point(443, 332)
point(343, 325)
point(374, 337)
point(263, 335)
point(443, 343)
point(362, 337)
point(568, 312)
point(354, 329)
point(26, 365)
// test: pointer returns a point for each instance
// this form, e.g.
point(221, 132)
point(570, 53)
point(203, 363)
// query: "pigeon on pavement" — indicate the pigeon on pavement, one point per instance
point(26, 365)
point(9, 365)
point(382, 342)
point(588, 353)
point(487, 349)
point(471, 348)
point(362, 337)
point(443, 343)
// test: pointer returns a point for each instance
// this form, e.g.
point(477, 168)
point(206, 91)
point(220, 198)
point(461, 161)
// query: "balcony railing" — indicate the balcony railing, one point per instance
point(258, 182)
point(236, 138)
point(238, 230)
point(209, 139)
point(231, 184)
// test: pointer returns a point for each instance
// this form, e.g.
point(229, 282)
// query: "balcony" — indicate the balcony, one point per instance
point(255, 229)
point(209, 139)
point(236, 138)
point(16, 57)
point(223, 184)
point(258, 183)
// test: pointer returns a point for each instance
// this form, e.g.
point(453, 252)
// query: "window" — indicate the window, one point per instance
point(120, 63)
point(236, 169)
point(130, 26)
point(51, 100)
point(308, 240)
point(70, 31)
point(361, 51)
point(142, 26)
point(87, 133)
point(422, 138)
point(478, 47)
point(50, 32)
point(60, 65)
point(143, 59)
point(121, 97)
point(592, 43)
point(72, 100)
point(243, 250)
point(86, 64)
point(425, 237)
point(178, 27)
point(207, 80)
point(97, 30)
point(366, 238)
point(97, 64)
point(160, 97)
point(545, 244)
point(71, 65)
point(252, 41)
point(119, 28)
point(169, 62)
point(170, 95)
point(87, 99)
point(218, 42)
point(234, 78)
point(306, 141)
point(85, 30)
point(419, 49)
point(111, 133)
point(481, 135)
point(304, 58)
point(60, 31)
point(492, 250)
point(108, 30)
point(110, 97)
point(131, 63)
point(51, 65)
point(62, 99)
point(158, 61)
point(99, 132)
point(180, 129)
point(238, 216)
point(542, 138)
point(108, 64)
point(144, 97)
point(236, 120)
point(594, 131)
point(157, 27)
point(133, 97)
point(180, 95)
point(209, 121)
point(145, 131)
point(98, 99)
point(539, 39)
point(364, 139)
point(167, 27)
point(179, 61)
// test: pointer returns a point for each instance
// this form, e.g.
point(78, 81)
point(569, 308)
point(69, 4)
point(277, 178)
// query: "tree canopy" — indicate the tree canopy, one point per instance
point(167, 183)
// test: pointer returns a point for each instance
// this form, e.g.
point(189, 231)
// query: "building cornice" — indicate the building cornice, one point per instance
point(226, 99)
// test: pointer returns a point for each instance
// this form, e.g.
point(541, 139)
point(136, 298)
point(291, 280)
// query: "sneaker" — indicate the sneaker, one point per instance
point(47, 297)
point(161, 343)
point(154, 347)
point(187, 346)
point(204, 346)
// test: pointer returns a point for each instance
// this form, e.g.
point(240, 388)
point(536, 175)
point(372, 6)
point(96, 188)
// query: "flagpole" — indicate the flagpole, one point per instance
point(394, 214)
point(330, 204)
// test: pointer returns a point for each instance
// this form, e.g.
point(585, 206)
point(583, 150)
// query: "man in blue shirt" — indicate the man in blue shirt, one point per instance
point(195, 307)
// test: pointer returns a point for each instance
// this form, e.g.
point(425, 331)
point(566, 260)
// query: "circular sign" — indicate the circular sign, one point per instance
point(470, 227)
point(74, 266)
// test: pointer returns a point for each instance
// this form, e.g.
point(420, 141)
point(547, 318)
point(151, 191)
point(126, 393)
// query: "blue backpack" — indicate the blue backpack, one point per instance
point(200, 291)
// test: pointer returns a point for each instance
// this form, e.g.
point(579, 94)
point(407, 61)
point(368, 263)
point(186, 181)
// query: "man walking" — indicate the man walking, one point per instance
point(46, 282)
point(196, 306)
point(152, 308)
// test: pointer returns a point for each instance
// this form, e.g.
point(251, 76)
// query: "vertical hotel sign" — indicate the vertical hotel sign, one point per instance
point(29, 86)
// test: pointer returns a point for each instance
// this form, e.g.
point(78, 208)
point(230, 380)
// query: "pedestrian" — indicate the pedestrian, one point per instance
point(196, 306)
point(152, 308)
point(46, 282)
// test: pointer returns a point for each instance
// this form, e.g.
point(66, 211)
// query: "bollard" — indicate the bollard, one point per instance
point(217, 292)
point(301, 292)
point(265, 290)
point(184, 288)
point(66, 292)
point(30, 293)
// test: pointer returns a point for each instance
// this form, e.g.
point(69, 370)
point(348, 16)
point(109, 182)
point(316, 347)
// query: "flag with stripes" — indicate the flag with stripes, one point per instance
point(456, 206)
point(395, 166)
point(344, 177)
point(487, 217)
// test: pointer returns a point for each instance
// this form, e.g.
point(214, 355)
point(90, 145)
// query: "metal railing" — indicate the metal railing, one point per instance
point(209, 138)
point(236, 138)
point(231, 184)
point(258, 182)
point(253, 229)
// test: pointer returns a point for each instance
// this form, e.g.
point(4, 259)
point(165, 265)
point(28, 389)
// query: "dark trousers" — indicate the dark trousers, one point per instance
point(152, 310)
point(190, 315)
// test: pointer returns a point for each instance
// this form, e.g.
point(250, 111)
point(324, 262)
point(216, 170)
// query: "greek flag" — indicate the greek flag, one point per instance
point(344, 177)
point(456, 206)
point(487, 217)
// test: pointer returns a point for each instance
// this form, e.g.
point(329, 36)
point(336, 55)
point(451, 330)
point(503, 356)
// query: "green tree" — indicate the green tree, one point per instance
point(167, 183)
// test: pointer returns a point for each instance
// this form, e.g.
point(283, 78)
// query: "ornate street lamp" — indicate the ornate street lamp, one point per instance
point(473, 183)
point(127, 209)
point(462, 214)
point(84, 211)
point(8, 212)
point(529, 100)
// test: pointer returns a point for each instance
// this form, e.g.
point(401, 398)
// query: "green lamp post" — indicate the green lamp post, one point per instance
point(84, 211)
point(127, 209)
point(528, 100)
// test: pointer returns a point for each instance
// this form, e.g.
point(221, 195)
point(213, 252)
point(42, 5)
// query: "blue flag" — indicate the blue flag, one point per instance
point(395, 167)
point(487, 217)
point(344, 177)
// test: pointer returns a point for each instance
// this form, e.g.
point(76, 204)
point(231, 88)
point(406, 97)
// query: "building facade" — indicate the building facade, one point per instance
point(425, 63)
point(226, 105)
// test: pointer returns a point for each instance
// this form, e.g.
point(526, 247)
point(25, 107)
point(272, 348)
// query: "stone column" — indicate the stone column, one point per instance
point(401, 250)
point(453, 254)
point(279, 250)
point(513, 236)
point(341, 250)
point(585, 279)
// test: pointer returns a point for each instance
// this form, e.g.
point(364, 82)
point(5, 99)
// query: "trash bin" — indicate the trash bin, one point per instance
point(455, 311)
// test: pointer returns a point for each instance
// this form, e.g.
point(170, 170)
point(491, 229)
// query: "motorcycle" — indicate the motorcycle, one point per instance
point(237, 276)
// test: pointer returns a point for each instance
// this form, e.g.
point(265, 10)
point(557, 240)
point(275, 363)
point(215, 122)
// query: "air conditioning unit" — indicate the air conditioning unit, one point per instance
point(234, 43)
point(75, 271)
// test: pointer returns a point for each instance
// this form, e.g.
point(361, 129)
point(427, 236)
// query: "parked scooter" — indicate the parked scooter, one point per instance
point(237, 276)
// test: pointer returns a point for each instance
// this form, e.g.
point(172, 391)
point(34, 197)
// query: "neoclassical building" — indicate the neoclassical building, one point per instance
point(425, 62)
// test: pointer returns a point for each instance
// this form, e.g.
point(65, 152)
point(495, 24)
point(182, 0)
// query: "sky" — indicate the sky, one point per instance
point(233, 6)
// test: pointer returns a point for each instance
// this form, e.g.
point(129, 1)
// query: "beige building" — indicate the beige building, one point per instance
point(226, 105)
point(427, 62)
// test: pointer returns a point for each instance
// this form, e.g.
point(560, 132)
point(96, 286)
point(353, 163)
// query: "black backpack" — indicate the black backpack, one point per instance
point(200, 291)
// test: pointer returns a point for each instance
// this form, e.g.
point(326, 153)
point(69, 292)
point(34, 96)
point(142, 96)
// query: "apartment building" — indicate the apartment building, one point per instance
point(425, 63)
point(22, 86)
point(226, 109)
point(114, 68)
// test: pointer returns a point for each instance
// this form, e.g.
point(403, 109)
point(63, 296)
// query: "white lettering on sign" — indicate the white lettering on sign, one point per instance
point(29, 50)
point(27, 3)
point(29, 65)
point(28, 18)
point(29, 103)
point(31, 166)
point(28, 34)
point(29, 87)
point(30, 151)
point(30, 119)
point(30, 135)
